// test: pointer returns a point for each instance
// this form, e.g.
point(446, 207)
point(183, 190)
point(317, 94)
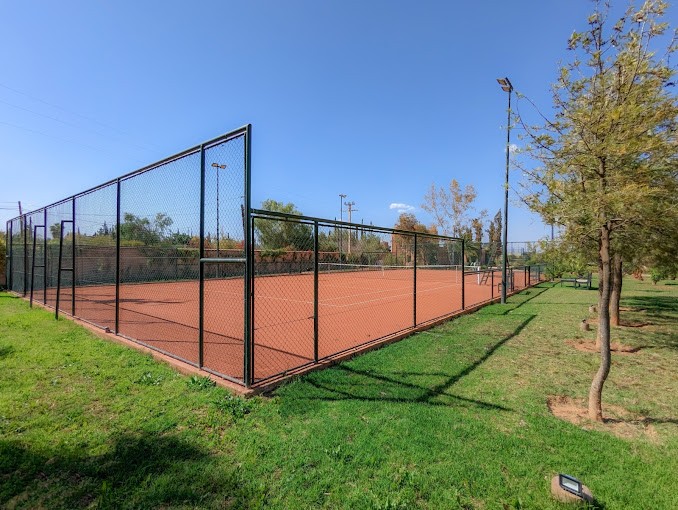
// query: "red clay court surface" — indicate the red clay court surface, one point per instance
point(354, 308)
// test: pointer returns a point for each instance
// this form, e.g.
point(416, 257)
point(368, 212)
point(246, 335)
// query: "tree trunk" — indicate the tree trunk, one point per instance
point(596, 391)
point(600, 295)
point(615, 296)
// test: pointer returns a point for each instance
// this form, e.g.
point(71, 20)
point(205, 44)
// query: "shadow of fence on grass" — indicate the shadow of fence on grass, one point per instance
point(384, 386)
point(533, 292)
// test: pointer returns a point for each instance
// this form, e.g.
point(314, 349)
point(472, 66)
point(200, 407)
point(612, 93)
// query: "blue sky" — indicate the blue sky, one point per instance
point(373, 99)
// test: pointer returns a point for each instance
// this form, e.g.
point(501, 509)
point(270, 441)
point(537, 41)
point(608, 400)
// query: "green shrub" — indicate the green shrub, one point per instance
point(200, 382)
point(657, 274)
point(237, 407)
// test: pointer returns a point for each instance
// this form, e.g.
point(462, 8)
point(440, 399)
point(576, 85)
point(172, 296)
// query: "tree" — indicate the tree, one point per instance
point(608, 157)
point(404, 243)
point(452, 208)
point(137, 230)
point(55, 230)
point(274, 234)
point(494, 232)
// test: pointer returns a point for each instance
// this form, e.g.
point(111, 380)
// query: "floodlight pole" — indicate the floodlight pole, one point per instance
point(218, 167)
point(506, 86)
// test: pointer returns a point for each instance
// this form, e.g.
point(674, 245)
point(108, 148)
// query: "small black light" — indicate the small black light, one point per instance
point(570, 484)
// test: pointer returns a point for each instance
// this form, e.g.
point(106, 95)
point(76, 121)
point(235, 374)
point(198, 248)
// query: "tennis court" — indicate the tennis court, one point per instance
point(193, 271)
point(356, 306)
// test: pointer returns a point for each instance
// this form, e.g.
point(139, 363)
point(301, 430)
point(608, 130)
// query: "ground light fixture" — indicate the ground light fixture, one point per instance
point(568, 489)
point(506, 86)
point(570, 484)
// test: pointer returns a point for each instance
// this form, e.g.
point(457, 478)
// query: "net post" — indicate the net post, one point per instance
point(117, 256)
point(201, 264)
point(463, 278)
point(315, 291)
point(492, 284)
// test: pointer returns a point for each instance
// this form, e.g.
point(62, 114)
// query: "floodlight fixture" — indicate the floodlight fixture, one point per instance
point(505, 84)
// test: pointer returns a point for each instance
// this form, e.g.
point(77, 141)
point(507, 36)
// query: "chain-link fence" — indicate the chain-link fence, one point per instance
point(172, 256)
point(322, 288)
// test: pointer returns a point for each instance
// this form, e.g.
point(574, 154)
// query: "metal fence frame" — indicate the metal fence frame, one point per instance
point(23, 258)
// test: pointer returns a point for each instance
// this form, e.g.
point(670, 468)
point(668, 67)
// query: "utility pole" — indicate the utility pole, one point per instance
point(342, 196)
point(350, 210)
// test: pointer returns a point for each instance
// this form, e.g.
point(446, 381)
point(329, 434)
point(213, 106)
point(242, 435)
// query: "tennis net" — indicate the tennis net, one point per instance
point(425, 272)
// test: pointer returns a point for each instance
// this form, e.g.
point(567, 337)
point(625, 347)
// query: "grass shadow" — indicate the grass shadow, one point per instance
point(658, 311)
point(146, 471)
point(533, 295)
point(652, 304)
point(6, 350)
point(350, 383)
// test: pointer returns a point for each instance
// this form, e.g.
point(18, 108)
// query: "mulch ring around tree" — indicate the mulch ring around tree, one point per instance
point(617, 420)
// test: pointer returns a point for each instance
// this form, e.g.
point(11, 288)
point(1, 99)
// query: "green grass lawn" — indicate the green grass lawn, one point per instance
point(454, 417)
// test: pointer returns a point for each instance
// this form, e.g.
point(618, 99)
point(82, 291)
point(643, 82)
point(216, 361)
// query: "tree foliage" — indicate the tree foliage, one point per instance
point(274, 234)
point(403, 244)
point(453, 210)
point(606, 162)
point(143, 231)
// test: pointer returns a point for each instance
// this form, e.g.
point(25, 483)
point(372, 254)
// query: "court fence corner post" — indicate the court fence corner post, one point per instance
point(248, 302)
point(201, 264)
point(117, 257)
point(414, 300)
point(463, 277)
point(315, 291)
point(9, 269)
point(73, 246)
point(25, 235)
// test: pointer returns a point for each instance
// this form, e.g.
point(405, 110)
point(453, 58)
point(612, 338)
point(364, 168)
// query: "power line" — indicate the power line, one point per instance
point(91, 147)
point(71, 124)
point(90, 119)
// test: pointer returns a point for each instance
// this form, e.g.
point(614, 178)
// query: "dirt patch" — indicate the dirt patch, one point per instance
point(617, 420)
point(616, 347)
point(593, 322)
point(631, 309)
point(632, 324)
